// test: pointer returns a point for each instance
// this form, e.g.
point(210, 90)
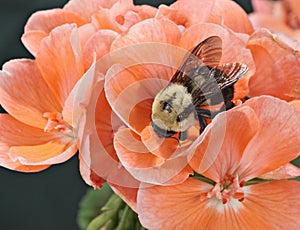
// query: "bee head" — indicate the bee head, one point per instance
point(163, 117)
point(172, 111)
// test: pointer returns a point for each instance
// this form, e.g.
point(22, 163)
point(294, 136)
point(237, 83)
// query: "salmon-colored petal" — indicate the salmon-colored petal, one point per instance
point(31, 146)
point(41, 23)
point(100, 44)
point(186, 13)
point(95, 127)
point(173, 207)
point(224, 142)
point(277, 67)
point(272, 23)
point(283, 172)
point(144, 165)
point(16, 133)
point(272, 205)
point(132, 152)
point(48, 153)
point(7, 162)
point(32, 40)
point(119, 17)
point(145, 11)
point(129, 195)
point(25, 94)
point(72, 113)
point(150, 41)
point(169, 148)
point(86, 8)
point(262, 208)
point(294, 7)
point(130, 91)
point(150, 30)
point(60, 60)
point(275, 117)
point(263, 6)
point(275, 203)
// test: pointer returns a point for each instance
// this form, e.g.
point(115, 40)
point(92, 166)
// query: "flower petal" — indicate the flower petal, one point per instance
point(173, 207)
point(150, 30)
point(129, 195)
point(263, 6)
point(16, 133)
point(186, 13)
point(283, 172)
point(272, 23)
point(273, 205)
point(144, 165)
point(25, 94)
point(132, 153)
point(100, 44)
point(41, 23)
point(119, 17)
point(48, 153)
point(30, 146)
point(60, 61)
point(169, 148)
point(86, 8)
point(7, 162)
point(96, 124)
point(130, 91)
point(276, 203)
point(223, 143)
point(275, 62)
point(275, 117)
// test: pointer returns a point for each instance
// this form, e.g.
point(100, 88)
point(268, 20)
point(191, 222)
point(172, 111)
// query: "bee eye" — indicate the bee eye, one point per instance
point(179, 117)
point(167, 106)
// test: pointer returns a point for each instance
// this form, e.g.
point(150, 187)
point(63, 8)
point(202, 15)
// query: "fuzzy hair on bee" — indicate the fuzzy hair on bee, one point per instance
point(200, 81)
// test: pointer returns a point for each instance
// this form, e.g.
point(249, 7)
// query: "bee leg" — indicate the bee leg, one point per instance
point(183, 135)
point(206, 113)
point(202, 122)
point(228, 105)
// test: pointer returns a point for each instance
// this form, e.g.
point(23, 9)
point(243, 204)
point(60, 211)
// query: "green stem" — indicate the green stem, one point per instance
point(203, 178)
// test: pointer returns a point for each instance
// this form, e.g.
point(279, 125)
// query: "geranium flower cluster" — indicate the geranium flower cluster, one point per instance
point(97, 68)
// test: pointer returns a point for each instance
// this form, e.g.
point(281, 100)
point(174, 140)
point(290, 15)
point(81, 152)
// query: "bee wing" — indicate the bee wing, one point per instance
point(229, 74)
point(207, 52)
point(216, 84)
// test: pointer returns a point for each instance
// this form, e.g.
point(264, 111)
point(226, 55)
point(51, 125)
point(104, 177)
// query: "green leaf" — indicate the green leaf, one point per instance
point(296, 162)
point(108, 219)
point(99, 211)
point(91, 204)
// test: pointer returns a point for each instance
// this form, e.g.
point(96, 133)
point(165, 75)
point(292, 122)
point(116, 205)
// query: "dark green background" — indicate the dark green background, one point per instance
point(49, 199)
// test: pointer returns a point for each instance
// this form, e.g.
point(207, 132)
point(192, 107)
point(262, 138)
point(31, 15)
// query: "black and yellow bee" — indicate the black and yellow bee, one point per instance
point(200, 81)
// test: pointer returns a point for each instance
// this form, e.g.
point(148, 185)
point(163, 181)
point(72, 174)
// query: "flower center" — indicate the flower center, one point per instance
point(227, 189)
point(56, 123)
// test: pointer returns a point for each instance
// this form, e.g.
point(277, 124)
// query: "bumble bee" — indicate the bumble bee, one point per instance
point(200, 81)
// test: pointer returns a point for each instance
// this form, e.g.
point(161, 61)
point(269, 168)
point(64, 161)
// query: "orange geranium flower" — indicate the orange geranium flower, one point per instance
point(187, 13)
point(279, 16)
point(277, 66)
point(90, 16)
point(131, 86)
point(237, 147)
point(105, 128)
point(39, 131)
